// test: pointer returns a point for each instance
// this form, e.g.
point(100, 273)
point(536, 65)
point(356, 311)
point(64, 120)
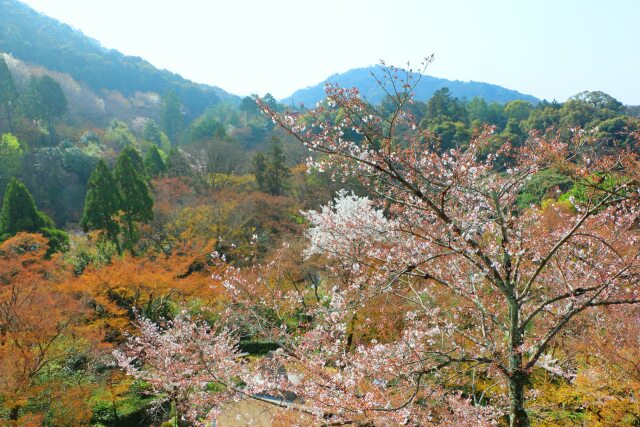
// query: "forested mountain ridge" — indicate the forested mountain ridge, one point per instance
point(362, 79)
point(35, 38)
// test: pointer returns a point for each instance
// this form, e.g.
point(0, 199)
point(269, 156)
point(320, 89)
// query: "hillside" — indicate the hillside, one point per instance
point(37, 39)
point(361, 78)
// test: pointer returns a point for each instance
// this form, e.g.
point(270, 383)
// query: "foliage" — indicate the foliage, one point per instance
point(34, 341)
point(36, 38)
point(19, 214)
point(153, 164)
point(172, 117)
point(271, 170)
point(137, 203)
point(8, 92)
point(183, 360)
point(10, 155)
point(483, 283)
point(103, 203)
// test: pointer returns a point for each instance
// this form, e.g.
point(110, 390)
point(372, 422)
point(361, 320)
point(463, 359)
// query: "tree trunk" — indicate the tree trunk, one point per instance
point(517, 377)
point(517, 414)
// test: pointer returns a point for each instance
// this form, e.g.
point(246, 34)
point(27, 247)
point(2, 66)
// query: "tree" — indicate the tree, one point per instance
point(483, 282)
point(10, 155)
point(136, 159)
point(102, 203)
point(185, 361)
point(442, 106)
point(177, 164)
point(172, 117)
point(153, 163)
point(600, 101)
point(277, 171)
point(8, 92)
point(46, 101)
point(152, 132)
point(518, 110)
point(37, 322)
point(249, 106)
point(259, 169)
point(137, 203)
point(270, 170)
point(119, 134)
point(19, 214)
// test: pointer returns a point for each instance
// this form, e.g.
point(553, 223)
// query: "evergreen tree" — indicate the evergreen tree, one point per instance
point(136, 160)
point(102, 203)
point(46, 99)
point(19, 214)
point(153, 163)
point(276, 171)
point(8, 92)
point(259, 169)
point(172, 117)
point(152, 133)
point(137, 203)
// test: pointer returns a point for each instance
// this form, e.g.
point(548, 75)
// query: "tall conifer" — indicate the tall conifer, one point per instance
point(102, 203)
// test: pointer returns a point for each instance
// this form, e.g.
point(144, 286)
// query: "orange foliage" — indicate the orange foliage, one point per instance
point(149, 286)
point(37, 318)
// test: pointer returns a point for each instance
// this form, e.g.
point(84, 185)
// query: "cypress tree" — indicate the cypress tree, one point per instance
point(19, 213)
point(102, 203)
point(137, 203)
point(136, 160)
point(153, 163)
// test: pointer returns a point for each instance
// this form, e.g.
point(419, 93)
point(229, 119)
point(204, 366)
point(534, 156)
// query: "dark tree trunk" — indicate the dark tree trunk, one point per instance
point(517, 414)
point(517, 377)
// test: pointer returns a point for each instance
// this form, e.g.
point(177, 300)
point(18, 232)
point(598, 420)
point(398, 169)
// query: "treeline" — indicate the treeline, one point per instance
point(452, 120)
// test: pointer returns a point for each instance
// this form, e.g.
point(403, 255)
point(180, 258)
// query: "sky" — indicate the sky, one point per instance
point(551, 49)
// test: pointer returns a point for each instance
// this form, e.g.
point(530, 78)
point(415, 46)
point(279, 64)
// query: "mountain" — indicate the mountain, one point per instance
point(37, 39)
point(363, 80)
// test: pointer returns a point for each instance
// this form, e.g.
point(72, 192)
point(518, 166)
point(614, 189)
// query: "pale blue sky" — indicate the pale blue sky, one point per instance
point(548, 48)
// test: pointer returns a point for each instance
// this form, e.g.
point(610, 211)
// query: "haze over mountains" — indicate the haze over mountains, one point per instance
point(362, 79)
point(38, 40)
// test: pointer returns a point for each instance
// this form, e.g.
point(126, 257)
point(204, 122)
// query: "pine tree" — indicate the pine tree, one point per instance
point(102, 203)
point(153, 163)
point(19, 214)
point(137, 203)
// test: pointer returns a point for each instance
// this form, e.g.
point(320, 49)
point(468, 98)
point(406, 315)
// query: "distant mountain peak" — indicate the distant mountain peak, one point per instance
point(369, 88)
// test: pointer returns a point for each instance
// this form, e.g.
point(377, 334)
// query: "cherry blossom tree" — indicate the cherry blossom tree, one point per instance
point(188, 365)
point(436, 272)
point(484, 282)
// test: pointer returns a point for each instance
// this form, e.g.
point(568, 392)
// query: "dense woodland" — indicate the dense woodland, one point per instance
point(447, 262)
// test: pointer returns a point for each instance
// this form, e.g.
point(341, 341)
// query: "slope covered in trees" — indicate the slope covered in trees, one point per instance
point(35, 38)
